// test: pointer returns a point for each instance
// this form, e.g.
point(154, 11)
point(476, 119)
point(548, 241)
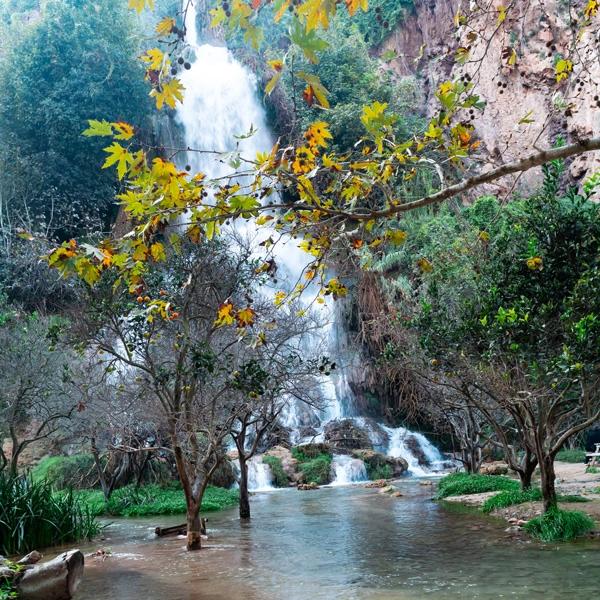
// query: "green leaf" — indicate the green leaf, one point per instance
point(98, 128)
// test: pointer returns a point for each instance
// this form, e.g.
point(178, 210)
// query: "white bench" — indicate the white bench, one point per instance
point(594, 456)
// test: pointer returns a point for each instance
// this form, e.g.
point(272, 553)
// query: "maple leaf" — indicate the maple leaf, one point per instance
point(165, 26)
point(245, 317)
point(317, 135)
point(316, 90)
point(168, 94)
point(98, 128)
point(396, 236)
point(119, 156)
point(124, 130)
point(354, 5)
point(153, 58)
point(225, 314)
point(139, 5)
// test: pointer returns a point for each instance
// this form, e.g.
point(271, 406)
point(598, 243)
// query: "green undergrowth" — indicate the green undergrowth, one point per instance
point(280, 478)
point(458, 484)
point(315, 468)
point(559, 525)
point(149, 500)
point(571, 456)
point(513, 497)
point(33, 516)
point(379, 471)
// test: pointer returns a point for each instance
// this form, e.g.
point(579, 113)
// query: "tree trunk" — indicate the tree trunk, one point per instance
point(194, 527)
point(548, 477)
point(526, 472)
point(244, 495)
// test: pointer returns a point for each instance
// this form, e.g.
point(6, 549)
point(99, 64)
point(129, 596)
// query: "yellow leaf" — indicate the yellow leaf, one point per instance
point(139, 5)
point(563, 69)
point(119, 155)
point(245, 317)
point(225, 314)
point(318, 134)
point(153, 58)
point(124, 130)
point(501, 14)
point(396, 236)
point(425, 265)
point(158, 252)
point(354, 5)
point(168, 94)
point(165, 26)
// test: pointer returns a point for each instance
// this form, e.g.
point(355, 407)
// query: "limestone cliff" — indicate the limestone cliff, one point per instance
point(425, 45)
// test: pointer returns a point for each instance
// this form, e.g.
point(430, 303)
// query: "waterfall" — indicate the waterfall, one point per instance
point(348, 470)
point(398, 448)
point(260, 478)
point(221, 105)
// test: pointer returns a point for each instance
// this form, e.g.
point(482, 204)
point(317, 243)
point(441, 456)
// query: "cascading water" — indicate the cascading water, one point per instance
point(221, 105)
point(260, 478)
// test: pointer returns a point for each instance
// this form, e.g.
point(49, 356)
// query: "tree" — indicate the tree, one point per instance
point(37, 396)
point(64, 63)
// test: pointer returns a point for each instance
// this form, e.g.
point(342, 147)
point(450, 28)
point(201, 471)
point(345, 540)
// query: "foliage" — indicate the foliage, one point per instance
point(33, 517)
point(571, 456)
point(130, 501)
point(457, 484)
point(511, 497)
point(280, 478)
point(75, 471)
point(559, 525)
point(380, 471)
point(314, 464)
point(47, 170)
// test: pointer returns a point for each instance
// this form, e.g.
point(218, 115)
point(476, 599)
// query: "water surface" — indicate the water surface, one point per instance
point(349, 543)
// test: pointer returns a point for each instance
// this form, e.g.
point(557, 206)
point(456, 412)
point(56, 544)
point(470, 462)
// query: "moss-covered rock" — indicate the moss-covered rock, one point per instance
point(380, 466)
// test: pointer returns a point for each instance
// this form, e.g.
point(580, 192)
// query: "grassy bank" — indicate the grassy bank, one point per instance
point(153, 500)
point(554, 526)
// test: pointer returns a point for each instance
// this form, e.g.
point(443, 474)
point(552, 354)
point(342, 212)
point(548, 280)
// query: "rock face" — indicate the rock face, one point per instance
point(278, 435)
point(374, 460)
point(345, 434)
point(539, 32)
point(412, 443)
point(224, 475)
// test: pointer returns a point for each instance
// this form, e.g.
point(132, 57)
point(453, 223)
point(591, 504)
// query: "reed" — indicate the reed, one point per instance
point(32, 516)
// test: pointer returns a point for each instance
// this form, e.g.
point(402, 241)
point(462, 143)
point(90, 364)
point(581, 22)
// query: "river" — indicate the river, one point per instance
point(343, 542)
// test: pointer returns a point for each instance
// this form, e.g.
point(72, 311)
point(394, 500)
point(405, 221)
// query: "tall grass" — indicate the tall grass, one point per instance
point(33, 517)
point(571, 456)
point(559, 525)
point(457, 484)
point(512, 497)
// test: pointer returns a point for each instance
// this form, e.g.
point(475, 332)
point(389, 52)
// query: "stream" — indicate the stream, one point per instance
point(339, 542)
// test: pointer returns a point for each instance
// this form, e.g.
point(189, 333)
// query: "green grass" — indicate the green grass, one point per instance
point(375, 472)
point(154, 500)
point(33, 516)
point(559, 525)
point(510, 498)
point(280, 478)
point(315, 468)
point(457, 484)
point(571, 456)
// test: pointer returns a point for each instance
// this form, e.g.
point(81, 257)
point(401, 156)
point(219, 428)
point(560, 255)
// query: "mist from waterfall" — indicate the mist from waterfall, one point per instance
point(221, 106)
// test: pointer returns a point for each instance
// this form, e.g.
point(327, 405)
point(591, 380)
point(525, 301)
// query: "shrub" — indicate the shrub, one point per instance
point(317, 470)
point(32, 516)
point(457, 484)
point(571, 456)
point(559, 525)
point(76, 471)
point(378, 471)
point(280, 478)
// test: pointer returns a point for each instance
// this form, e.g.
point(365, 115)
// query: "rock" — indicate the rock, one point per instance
point(7, 573)
point(31, 558)
point(307, 431)
point(378, 436)
point(513, 529)
point(307, 486)
point(288, 462)
point(314, 450)
point(345, 434)
point(388, 489)
point(413, 444)
point(379, 483)
point(494, 468)
point(397, 494)
point(374, 460)
point(426, 483)
point(224, 475)
point(278, 435)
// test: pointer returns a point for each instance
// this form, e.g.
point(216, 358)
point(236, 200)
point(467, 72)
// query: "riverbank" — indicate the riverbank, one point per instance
point(572, 480)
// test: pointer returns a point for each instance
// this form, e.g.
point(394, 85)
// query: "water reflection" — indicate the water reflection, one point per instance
point(349, 543)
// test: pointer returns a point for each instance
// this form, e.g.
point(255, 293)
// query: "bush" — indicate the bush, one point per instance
point(571, 456)
point(280, 478)
point(76, 471)
point(32, 516)
point(130, 501)
point(559, 525)
point(378, 471)
point(317, 470)
point(457, 484)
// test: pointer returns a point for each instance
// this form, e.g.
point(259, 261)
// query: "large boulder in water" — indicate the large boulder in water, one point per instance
point(380, 466)
point(413, 444)
point(345, 434)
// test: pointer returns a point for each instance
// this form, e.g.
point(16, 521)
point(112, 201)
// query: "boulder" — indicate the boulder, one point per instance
point(375, 460)
point(224, 475)
point(303, 487)
point(391, 490)
point(314, 450)
point(345, 434)
point(277, 435)
point(494, 468)
point(379, 483)
point(288, 462)
point(413, 444)
point(307, 431)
